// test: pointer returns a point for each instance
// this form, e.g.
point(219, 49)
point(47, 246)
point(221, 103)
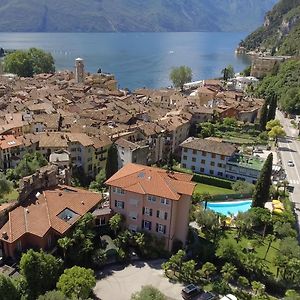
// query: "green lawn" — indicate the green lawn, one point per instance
point(211, 189)
point(260, 248)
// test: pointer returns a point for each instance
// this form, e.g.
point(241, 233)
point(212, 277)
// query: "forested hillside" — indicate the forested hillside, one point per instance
point(281, 30)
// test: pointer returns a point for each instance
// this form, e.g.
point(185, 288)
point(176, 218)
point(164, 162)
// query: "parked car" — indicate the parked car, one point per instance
point(229, 297)
point(206, 296)
point(190, 291)
point(291, 163)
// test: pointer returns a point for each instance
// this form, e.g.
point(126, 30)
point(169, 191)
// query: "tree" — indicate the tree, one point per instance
point(272, 107)
point(174, 263)
point(258, 288)
point(263, 116)
point(28, 63)
point(188, 270)
point(229, 251)
point(228, 272)
point(53, 295)
point(99, 257)
point(243, 223)
point(243, 282)
point(115, 222)
point(98, 183)
point(243, 187)
point(230, 122)
point(65, 243)
point(40, 271)
point(180, 75)
point(276, 132)
point(76, 282)
point(228, 72)
point(5, 185)
point(111, 166)
point(8, 291)
point(273, 123)
point(208, 269)
point(291, 295)
point(148, 292)
point(262, 188)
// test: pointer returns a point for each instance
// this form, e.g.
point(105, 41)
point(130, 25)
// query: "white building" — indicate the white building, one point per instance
point(219, 159)
point(206, 156)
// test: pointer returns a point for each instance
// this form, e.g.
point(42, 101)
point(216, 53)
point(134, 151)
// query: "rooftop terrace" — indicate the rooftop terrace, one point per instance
point(250, 162)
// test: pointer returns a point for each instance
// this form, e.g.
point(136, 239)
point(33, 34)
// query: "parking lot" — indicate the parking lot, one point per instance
point(118, 282)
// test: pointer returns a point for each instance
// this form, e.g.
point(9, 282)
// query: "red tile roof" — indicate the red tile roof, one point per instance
point(153, 181)
point(41, 213)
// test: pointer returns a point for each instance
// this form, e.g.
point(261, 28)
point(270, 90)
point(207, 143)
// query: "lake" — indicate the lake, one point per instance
point(138, 59)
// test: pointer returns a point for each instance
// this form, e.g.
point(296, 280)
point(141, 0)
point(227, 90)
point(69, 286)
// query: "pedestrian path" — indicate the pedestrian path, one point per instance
point(294, 182)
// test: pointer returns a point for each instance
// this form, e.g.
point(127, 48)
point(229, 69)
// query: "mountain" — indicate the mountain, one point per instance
point(131, 15)
point(280, 32)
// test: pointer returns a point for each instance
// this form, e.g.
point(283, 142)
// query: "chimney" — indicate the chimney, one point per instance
point(4, 235)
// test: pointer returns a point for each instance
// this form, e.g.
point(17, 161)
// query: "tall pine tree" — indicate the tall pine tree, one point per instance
point(272, 107)
point(263, 116)
point(262, 188)
point(112, 161)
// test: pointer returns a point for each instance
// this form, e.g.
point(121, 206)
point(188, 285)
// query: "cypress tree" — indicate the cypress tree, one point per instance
point(262, 188)
point(272, 107)
point(111, 166)
point(263, 117)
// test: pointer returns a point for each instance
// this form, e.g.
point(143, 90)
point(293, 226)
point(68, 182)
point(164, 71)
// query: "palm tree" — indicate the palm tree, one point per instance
point(65, 243)
point(271, 239)
point(228, 271)
point(208, 269)
point(285, 184)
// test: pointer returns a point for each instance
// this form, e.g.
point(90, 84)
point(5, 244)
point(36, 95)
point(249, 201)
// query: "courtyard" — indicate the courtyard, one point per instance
point(119, 282)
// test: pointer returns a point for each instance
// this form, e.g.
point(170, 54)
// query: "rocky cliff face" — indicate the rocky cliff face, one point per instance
point(280, 30)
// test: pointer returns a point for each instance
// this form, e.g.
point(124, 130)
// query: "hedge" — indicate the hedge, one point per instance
point(220, 182)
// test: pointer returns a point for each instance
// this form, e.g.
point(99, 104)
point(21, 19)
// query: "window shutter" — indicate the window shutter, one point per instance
point(150, 225)
point(116, 203)
point(143, 210)
point(142, 224)
point(165, 227)
point(123, 204)
point(166, 215)
point(156, 227)
point(157, 213)
point(150, 212)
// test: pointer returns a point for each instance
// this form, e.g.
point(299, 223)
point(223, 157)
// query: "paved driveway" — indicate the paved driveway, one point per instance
point(118, 283)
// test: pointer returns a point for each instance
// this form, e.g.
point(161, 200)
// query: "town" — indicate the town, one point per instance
point(98, 177)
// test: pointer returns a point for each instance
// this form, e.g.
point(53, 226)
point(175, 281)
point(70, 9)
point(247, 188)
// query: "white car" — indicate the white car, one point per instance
point(229, 297)
point(291, 163)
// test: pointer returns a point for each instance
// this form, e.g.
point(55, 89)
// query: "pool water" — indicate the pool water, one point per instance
point(228, 208)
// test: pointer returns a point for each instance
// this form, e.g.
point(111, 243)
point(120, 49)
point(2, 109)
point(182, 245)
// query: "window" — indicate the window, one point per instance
point(203, 153)
point(90, 167)
point(213, 155)
point(193, 168)
point(211, 172)
point(222, 157)
point(79, 158)
point(161, 228)
point(162, 215)
point(133, 215)
point(194, 159)
point(184, 157)
point(164, 201)
point(202, 170)
point(118, 190)
point(185, 150)
point(212, 163)
point(220, 165)
point(146, 225)
point(203, 161)
point(147, 211)
point(220, 174)
point(184, 165)
point(119, 204)
point(151, 198)
point(194, 151)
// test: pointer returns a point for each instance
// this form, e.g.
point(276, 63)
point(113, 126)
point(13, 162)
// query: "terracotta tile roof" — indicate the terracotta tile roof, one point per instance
point(9, 141)
point(81, 138)
point(40, 214)
point(52, 140)
point(209, 146)
point(153, 181)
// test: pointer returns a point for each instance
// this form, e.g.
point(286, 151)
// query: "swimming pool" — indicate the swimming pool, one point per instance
point(232, 207)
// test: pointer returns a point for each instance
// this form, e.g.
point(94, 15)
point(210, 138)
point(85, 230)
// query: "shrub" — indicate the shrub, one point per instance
point(223, 183)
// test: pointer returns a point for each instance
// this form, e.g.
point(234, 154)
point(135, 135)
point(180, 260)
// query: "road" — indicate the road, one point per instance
point(289, 149)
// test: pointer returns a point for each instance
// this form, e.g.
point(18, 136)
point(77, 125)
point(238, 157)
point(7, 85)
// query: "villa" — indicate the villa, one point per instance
point(153, 200)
